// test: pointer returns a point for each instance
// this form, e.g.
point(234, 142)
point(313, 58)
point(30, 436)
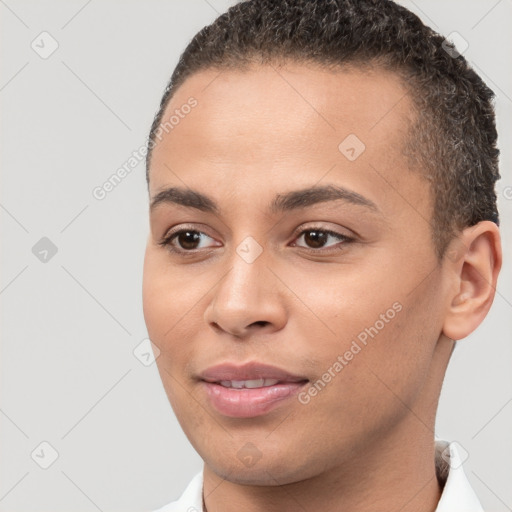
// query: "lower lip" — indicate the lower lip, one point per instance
point(248, 403)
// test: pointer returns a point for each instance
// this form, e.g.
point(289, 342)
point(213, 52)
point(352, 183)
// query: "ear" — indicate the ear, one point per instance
point(473, 260)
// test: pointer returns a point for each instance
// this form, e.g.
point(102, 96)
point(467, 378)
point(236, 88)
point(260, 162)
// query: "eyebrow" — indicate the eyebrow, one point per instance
point(294, 200)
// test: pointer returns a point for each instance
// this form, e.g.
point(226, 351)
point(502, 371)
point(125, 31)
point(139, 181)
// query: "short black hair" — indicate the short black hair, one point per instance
point(453, 138)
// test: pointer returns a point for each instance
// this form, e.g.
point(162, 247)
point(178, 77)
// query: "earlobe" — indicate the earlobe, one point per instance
point(473, 261)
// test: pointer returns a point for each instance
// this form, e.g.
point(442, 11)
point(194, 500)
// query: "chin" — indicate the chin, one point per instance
point(278, 469)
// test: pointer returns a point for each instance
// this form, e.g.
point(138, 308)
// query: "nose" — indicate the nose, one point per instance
point(248, 300)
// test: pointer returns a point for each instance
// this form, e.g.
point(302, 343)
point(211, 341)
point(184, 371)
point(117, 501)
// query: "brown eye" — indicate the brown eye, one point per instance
point(188, 239)
point(316, 238)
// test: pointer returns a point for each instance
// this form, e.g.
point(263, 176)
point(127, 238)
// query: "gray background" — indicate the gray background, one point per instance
point(69, 325)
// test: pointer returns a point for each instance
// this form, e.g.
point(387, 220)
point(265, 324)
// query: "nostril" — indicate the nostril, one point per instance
point(261, 323)
point(216, 326)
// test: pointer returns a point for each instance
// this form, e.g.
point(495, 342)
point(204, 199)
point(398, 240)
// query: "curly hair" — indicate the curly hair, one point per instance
point(453, 138)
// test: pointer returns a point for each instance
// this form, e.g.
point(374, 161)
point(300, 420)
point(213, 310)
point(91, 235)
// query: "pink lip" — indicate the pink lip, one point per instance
point(248, 371)
point(248, 403)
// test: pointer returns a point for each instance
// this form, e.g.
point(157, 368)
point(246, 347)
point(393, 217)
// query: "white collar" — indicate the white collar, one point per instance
point(457, 495)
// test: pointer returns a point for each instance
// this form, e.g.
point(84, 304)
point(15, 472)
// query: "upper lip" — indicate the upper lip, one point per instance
point(248, 371)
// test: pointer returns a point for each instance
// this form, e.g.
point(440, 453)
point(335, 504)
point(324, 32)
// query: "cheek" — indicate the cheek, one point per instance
point(165, 300)
point(167, 314)
point(150, 289)
point(164, 309)
point(388, 376)
point(337, 305)
point(376, 347)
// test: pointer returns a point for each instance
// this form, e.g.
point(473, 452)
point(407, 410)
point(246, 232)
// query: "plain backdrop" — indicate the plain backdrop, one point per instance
point(71, 269)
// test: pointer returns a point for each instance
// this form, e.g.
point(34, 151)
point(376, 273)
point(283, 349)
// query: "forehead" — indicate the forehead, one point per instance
point(267, 123)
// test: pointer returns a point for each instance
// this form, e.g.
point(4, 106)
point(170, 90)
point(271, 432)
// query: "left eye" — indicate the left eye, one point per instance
point(317, 238)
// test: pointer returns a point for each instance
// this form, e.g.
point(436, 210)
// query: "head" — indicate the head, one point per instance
point(325, 204)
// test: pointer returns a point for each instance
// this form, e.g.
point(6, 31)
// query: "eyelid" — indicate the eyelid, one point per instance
point(185, 227)
point(169, 236)
point(343, 238)
point(311, 226)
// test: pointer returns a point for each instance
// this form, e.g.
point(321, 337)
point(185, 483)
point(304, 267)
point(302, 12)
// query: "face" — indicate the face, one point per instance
point(294, 249)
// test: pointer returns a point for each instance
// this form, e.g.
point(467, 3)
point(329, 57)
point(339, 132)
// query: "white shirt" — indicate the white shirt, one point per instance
point(457, 495)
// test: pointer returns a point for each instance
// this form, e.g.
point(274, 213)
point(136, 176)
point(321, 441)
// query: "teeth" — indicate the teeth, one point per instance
point(250, 384)
point(256, 383)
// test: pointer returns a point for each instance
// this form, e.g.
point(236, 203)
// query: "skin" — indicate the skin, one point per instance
point(267, 131)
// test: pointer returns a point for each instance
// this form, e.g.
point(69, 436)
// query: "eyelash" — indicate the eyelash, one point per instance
point(167, 240)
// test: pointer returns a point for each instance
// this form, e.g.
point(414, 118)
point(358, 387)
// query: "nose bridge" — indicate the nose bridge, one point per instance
point(246, 295)
point(246, 281)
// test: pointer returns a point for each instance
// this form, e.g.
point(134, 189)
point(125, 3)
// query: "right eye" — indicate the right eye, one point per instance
point(185, 240)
